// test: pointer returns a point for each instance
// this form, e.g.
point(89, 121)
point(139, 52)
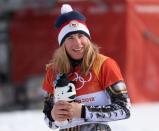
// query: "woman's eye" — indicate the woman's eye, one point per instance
point(80, 35)
point(70, 37)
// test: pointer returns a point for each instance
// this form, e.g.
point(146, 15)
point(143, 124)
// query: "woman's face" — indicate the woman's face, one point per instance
point(75, 45)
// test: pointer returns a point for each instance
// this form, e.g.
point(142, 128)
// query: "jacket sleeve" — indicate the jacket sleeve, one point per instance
point(117, 110)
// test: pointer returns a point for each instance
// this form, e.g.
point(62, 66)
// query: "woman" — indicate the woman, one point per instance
point(101, 94)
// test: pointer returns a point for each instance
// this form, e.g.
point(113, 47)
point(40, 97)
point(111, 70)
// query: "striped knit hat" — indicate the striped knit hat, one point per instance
point(70, 22)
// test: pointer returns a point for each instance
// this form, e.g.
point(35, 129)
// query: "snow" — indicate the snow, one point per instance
point(144, 117)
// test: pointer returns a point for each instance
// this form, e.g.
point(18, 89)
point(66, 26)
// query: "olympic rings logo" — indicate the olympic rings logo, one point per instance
point(79, 78)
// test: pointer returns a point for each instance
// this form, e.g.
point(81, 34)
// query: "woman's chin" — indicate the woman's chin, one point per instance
point(77, 56)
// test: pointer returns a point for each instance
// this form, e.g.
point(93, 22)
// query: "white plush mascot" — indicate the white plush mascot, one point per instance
point(64, 90)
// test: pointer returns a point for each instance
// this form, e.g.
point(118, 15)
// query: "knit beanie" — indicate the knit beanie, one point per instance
point(70, 22)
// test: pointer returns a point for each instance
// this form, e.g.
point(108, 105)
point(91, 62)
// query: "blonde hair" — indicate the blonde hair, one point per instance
point(60, 61)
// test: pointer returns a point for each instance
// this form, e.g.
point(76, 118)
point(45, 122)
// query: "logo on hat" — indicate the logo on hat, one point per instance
point(73, 24)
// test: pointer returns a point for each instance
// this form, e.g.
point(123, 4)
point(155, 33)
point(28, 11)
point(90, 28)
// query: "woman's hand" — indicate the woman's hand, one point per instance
point(61, 111)
point(75, 110)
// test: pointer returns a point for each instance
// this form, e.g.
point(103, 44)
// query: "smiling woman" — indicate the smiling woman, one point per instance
point(98, 89)
point(75, 45)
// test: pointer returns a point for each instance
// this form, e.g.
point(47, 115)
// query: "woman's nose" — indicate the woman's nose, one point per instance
point(77, 41)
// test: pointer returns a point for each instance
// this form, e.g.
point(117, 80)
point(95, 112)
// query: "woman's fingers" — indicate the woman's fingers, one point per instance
point(61, 111)
point(63, 107)
point(62, 117)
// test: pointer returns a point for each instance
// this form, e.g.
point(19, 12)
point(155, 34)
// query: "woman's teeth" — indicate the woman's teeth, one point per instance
point(77, 49)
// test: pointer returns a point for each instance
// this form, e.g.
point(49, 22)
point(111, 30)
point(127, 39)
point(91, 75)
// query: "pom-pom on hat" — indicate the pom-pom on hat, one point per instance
point(70, 22)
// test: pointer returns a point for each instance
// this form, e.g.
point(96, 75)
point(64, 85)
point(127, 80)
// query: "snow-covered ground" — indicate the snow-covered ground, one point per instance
point(144, 117)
